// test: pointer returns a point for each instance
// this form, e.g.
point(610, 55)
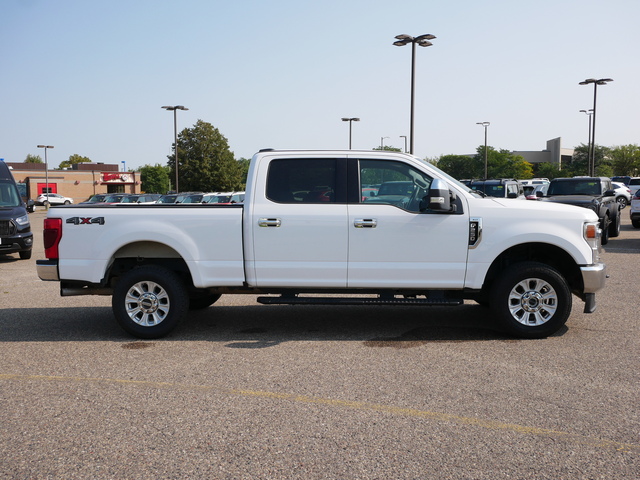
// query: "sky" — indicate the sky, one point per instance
point(90, 77)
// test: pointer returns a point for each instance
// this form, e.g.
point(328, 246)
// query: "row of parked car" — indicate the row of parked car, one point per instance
point(150, 198)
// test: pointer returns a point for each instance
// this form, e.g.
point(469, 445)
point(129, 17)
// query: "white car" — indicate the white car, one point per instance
point(53, 199)
point(634, 211)
point(634, 184)
point(623, 194)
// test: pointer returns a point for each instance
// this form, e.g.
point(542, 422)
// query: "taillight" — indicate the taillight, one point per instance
point(52, 235)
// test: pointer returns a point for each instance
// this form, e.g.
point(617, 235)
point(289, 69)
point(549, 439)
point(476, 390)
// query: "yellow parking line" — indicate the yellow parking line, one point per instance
point(362, 406)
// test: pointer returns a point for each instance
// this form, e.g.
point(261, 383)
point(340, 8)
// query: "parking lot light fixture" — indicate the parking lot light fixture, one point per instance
point(350, 120)
point(589, 113)
point(592, 144)
point(422, 41)
point(46, 172)
point(174, 109)
point(485, 125)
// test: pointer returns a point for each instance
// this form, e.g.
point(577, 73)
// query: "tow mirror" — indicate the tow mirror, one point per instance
point(439, 198)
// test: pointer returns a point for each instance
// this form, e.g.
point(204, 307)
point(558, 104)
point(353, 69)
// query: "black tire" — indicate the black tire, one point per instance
point(204, 301)
point(622, 201)
point(614, 226)
point(25, 254)
point(635, 223)
point(149, 301)
point(67, 202)
point(531, 300)
point(604, 226)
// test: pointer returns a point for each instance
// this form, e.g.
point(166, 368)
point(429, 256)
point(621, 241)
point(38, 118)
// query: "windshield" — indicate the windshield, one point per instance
point(574, 187)
point(9, 194)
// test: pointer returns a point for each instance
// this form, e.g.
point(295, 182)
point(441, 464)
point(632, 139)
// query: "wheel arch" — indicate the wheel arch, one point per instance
point(545, 253)
point(142, 253)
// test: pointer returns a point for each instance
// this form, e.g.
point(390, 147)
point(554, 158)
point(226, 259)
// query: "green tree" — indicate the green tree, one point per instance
point(33, 159)
point(580, 161)
point(155, 179)
point(205, 161)
point(387, 148)
point(626, 160)
point(244, 166)
point(73, 159)
point(504, 164)
point(461, 166)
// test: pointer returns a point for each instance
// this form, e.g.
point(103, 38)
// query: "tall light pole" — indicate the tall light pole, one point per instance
point(589, 113)
point(350, 120)
point(382, 142)
point(46, 172)
point(596, 82)
point(485, 125)
point(405, 142)
point(175, 134)
point(423, 41)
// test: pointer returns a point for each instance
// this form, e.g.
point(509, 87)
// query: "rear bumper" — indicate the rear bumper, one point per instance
point(48, 270)
point(593, 277)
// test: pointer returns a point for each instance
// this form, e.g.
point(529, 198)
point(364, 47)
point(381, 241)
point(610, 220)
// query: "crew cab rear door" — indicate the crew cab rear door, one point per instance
point(296, 234)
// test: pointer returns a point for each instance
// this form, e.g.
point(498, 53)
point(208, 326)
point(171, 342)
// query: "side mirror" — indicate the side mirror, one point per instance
point(610, 193)
point(439, 198)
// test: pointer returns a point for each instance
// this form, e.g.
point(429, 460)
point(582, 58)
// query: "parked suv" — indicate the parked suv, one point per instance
point(596, 193)
point(15, 229)
point(502, 188)
point(635, 210)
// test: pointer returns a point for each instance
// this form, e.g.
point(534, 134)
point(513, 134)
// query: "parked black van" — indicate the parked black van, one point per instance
point(15, 229)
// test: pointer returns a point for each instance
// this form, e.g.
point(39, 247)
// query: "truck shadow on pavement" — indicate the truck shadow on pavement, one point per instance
point(258, 326)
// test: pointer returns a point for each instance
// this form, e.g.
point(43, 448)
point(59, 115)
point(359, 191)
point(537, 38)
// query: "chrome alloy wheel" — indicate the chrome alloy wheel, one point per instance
point(533, 302)
point(147, 303)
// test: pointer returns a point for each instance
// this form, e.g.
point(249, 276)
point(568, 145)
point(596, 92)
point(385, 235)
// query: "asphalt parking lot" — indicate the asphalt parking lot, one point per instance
point(246, 391)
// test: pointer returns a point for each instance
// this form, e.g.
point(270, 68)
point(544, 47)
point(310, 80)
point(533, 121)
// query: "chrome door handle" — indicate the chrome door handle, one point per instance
point(269, 222)
point(365, 223)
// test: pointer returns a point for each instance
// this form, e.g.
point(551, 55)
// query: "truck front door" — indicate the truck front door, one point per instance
point(391, 243)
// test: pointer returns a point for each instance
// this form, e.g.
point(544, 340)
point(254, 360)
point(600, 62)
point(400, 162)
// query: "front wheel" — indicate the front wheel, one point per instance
point(604, 226)
point(149, 301)
point(614, 226)
point(531, 300)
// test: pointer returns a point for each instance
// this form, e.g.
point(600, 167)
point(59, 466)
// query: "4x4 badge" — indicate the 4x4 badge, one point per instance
point(86, 220)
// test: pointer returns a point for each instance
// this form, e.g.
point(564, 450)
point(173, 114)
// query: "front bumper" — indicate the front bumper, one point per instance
point(21, 242)
point(593, 277)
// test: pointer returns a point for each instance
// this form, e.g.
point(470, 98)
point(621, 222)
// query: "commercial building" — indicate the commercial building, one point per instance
point(554, 153)
point(79, 182)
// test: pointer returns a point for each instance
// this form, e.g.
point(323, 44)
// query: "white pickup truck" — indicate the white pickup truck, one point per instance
point(312, 223)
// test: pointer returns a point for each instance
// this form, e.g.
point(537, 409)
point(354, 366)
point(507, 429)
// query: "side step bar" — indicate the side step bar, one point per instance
point(387, 300)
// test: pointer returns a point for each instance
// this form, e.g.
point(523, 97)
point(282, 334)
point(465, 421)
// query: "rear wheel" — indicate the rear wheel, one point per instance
point(149, 301)
point(531, 300)
point(622, 201)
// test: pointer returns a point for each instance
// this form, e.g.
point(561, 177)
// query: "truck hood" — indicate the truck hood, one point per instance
point(579, 200)
point(548, 209)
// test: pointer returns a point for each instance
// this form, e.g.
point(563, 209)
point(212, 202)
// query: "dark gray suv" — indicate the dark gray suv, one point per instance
point(15, 229)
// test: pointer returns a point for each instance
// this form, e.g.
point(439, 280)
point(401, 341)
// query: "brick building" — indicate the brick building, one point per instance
point(80, 182)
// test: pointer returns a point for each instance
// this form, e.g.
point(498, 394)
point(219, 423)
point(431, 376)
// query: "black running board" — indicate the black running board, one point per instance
point(295, 300)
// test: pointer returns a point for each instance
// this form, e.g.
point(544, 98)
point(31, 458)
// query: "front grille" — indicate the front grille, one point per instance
point(7, 228)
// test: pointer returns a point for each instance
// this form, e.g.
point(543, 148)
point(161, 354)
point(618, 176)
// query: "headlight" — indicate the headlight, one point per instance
point(23, 221)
